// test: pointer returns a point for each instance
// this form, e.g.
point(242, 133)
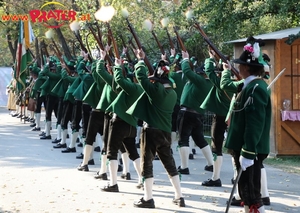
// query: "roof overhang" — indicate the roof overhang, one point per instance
point(271, 36)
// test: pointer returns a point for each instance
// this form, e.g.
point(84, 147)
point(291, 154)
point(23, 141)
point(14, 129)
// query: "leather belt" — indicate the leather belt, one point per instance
point(189, 110)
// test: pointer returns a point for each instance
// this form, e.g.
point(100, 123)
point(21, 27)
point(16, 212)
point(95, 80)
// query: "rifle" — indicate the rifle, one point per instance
point(170, 40)
point(78, 37)
point(214, 48)
point(181, 44)
point(44, 51)
point(158, 43)
point(100, 43)
point(124, 45)
point(59, 55)
point(117, 54)
point(147, 62)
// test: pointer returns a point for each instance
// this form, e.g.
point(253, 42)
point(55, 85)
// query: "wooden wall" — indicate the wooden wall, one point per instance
point(284, 135)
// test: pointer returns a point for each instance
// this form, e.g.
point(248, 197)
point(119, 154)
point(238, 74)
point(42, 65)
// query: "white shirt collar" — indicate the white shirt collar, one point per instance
point(248, 80)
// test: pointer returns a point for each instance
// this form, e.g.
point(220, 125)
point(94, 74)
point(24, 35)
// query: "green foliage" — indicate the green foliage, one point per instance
point(221, 20)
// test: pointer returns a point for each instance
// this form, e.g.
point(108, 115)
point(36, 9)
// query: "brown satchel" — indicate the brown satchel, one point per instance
point(31, 104)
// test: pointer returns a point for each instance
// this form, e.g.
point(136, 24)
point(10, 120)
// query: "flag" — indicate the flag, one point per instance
point(23, 58)
point(28, 32)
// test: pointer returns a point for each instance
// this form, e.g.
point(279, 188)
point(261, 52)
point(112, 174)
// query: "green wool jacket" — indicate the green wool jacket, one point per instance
point(129, 94)
point(74, 83)
point(180, 80)
point(217, 100)
point(93, 95)
point(86, 81)
point(195, 90)
point(155, 105)
point(38, 83)
point(108, 94)
point(62, 85)
point(249, 130)
point(52, 80)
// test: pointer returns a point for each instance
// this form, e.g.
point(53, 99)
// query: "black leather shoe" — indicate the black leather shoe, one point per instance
point(109, 188)
point(144, 204)
point(19, 116)
point(137, 145)
point(156, 157)
point(77, 140)
point(32, 125)
point(211, 182)
point(69, 150)
point(91, 162)
point(120, 168)
point(101, 176)
point(209, 168)
point(42, 134)
point(68, 136)
point(46, 137)
point(80, 156)
point(185, 171)
point(126, 176)
point(97, 149)
point(36, 129)
point(179, 202)
point(15, 115)
point(80, 144)
point(56, 140)
point(59, 145)
point(191, 156)
point(236, 202)
point(84, 168)
point(266, 201)
point(194, 151)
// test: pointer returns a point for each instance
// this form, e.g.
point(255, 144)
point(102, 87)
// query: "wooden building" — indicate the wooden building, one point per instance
point(285, 129)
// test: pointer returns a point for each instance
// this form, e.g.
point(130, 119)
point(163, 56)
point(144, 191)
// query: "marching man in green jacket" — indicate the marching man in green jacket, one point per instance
point(155, 107)
point(249, 133)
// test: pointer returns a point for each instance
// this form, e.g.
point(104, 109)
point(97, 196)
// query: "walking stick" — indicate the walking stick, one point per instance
point(233, 189)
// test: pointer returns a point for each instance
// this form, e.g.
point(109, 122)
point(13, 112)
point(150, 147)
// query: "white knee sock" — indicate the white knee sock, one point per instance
point(208, 155)
point(92, 152)
point(73, 139)
point(113, 171)
point(176, 185)
point(126, 163)
point(64, 136)
point(87, 150)
point(261, 209)
point(217, 168)
point(38, 120)
point(137, 166)
point(246, 208)
point(148, 188)
point(184, 156)
point(264, 184)
point(48, 125)
point(58, 132)
point(103, 168)
point(138, 134)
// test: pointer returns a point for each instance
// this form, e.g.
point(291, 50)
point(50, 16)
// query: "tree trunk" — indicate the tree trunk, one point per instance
point(64, 44)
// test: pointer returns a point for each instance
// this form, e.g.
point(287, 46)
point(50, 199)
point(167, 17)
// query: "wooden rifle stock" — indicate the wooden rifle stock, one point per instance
point(114, 43)
point(59, 56)
point(100, 43)
point(125, 46)
point(170, 40)
point(214, 48)
point(147, 62)
point(158, 43)
point(78, 37)
point(181, 44)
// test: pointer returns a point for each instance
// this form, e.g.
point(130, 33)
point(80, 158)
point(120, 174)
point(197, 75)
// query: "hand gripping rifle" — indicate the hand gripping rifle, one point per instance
point(78, 37)
point(147, 62)
point(59, 56)
point(181, 44)
point(114, 43)
point(214, 48)
point(100, 43)
point(125, 46)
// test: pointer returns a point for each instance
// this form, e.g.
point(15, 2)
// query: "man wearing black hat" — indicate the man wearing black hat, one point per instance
point(248, 137)
point(155, 107)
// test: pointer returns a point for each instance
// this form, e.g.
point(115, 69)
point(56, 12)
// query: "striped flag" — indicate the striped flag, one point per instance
point(28, 32)
point(23, 58)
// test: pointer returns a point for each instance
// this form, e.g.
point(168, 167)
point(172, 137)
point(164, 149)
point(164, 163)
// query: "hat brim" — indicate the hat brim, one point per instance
point(239, 61)
point(161, 80)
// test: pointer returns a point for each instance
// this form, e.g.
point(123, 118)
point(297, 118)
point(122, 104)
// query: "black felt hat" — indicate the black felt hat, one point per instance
point(161, 72)
point(250, 55)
